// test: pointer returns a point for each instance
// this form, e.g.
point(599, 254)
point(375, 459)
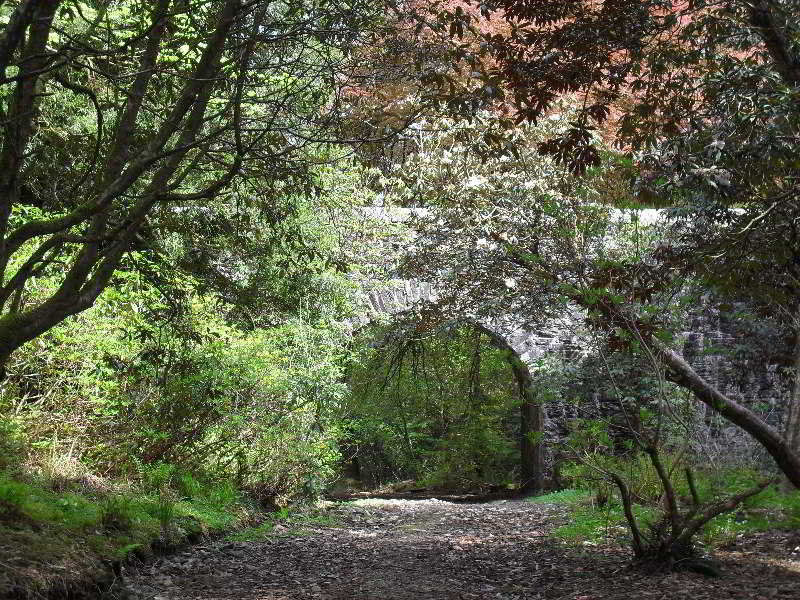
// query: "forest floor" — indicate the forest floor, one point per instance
point(431, 550)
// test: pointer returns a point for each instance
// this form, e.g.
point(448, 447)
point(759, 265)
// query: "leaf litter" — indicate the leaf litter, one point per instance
point(431, 549)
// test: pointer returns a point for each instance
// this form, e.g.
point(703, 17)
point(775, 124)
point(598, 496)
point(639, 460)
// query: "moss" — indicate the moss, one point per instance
point(253, 534)
point(54, 542)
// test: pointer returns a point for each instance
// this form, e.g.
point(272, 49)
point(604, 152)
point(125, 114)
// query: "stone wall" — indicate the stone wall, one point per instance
point(732, 354)
point(745, 359)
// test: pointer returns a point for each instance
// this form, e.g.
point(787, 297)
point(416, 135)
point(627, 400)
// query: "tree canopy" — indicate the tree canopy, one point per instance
point(200, 201)
point(126, 120)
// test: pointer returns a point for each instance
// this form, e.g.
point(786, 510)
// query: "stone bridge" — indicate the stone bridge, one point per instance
point(522, 348)
point(751, 383)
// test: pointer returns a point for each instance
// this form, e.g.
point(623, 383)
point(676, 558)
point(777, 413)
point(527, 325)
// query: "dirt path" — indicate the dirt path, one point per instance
point(426, 550)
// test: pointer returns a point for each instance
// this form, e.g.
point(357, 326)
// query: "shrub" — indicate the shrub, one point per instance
point(189, 487)
point(165, 511)
point(156, 477)
point(116, 513)
point(13, 497)
point(11, 443)
point(643, 481)
point(223, 494)
point(175, 403)
point(791, 506)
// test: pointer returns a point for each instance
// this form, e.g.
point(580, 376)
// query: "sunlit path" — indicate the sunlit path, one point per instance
point(430, 549)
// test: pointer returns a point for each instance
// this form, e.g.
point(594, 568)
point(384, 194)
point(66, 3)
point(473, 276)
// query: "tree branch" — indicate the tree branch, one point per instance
point(14, 32)
point(717, 509)
point(764, 20)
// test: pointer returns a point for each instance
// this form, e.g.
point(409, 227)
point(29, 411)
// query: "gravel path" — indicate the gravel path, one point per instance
point(430, 549)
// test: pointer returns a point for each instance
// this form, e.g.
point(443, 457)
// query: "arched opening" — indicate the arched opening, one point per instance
point(444, 399)
point(531, 416)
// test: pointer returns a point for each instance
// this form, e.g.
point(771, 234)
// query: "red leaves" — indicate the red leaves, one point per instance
point(575, 149)
point(550, 48)
point(596, 51)
point(540, 12)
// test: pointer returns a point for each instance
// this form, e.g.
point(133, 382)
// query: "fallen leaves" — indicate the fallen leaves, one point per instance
point(429, 549)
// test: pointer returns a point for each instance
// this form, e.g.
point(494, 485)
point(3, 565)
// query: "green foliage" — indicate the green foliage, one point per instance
point(184, 412)
point(189, 487)
point(294, 523)
point(222, 494)
point(206, 514)
point(39, 526)
point(13, 496)
point(175, 402)
point(439, 410)
point(637, 470)
point(568, 497)
point(11, 443)
point(26, 503)
point(214, 363)
point(253, 534)
point(593, 524)
point(239, 208)
point(725, 528)
point(791, 506)
point(770, 509)
point(157, 477)
point(592, 521)
point(116, 513)
point(165, 511)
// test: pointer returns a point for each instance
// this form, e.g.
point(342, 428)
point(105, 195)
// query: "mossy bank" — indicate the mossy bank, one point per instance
point(73, 541)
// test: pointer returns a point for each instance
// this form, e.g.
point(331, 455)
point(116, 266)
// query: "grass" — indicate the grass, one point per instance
point(53, 541)
point(292, 523)
point(49, 538)
point(771, 509)
point(589, 524)
point(253, 534)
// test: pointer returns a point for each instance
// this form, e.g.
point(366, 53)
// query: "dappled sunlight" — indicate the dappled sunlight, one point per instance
point(402, 549)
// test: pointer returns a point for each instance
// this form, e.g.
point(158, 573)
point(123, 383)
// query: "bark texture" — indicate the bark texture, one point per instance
point(791, 427)
point(785, 456)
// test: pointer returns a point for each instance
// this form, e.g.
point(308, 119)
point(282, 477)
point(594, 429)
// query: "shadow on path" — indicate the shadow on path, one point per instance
point(430, 549)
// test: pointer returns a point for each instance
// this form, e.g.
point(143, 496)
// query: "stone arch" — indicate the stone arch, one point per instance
point(416, 299)
point(531, 414)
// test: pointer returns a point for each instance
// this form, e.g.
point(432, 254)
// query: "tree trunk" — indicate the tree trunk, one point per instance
point(764, 18)
point(531, 451)
point(531, 429)
point(785, 455)
point(791, 426)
